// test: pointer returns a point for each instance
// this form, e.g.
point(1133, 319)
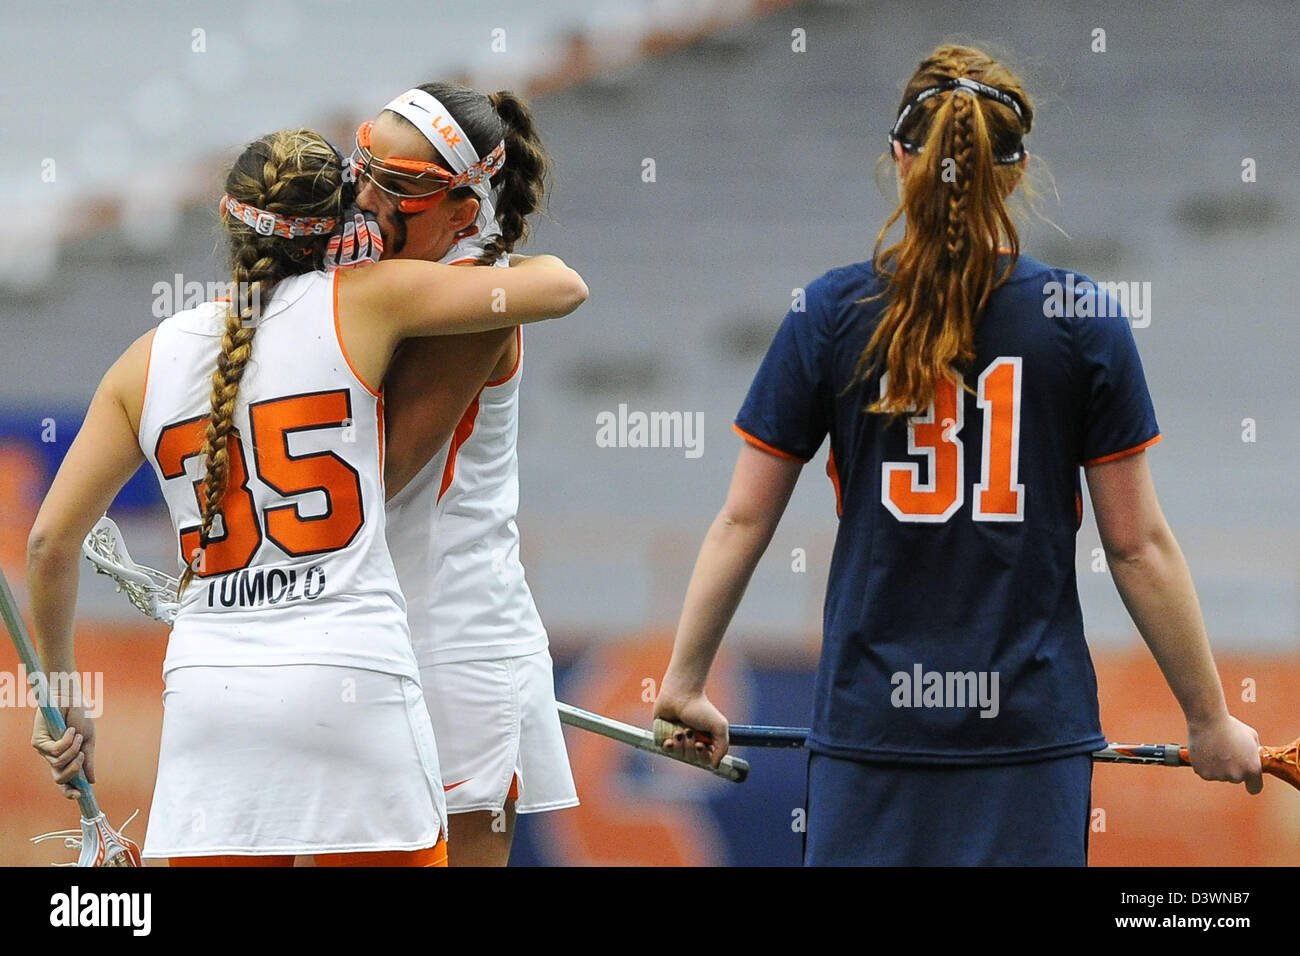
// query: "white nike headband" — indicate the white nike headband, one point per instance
point(435, 122)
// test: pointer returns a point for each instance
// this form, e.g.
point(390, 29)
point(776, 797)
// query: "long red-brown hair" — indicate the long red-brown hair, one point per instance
point(953, 201)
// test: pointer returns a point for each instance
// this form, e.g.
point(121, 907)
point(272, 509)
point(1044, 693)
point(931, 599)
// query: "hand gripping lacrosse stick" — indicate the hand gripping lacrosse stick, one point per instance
point(732, 768)
point(152, 592)
point(99, 843)
point(1281, 762)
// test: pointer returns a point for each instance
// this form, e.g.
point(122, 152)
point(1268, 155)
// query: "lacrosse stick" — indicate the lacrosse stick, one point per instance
point(152, 592)
point(732, 768)
point(99, 843)
point(1281, 762)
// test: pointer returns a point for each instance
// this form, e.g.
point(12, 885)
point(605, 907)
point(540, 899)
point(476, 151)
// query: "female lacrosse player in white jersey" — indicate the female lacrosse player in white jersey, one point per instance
point(293, 718)
point(482, 648)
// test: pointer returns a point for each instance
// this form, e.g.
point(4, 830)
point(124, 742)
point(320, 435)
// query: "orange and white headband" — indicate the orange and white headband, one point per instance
point(435, 122)
point(273, 224)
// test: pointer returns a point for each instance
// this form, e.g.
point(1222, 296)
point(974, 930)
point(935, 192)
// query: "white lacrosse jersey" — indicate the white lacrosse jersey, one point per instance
point(298, 570)
point(455, 544)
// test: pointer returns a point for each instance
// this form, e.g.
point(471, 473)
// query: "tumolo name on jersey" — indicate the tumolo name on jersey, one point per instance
point(266, 587)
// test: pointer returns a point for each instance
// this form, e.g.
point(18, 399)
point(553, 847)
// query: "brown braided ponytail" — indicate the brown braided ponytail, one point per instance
point(522, 180)
point(293, 173)
point(940, 274)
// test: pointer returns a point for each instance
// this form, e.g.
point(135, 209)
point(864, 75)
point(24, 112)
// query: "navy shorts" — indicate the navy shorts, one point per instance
point(867, 814)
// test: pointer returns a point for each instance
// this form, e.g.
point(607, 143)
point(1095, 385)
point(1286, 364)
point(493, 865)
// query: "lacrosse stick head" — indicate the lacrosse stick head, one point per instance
point(1282, 762)
point(99, 844)
point(151, 592)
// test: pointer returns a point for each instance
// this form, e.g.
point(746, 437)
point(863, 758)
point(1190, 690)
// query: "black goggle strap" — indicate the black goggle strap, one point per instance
point(972, 86)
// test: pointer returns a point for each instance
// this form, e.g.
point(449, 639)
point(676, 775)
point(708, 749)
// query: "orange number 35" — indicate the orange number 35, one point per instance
point(934, 433)
point(239, 533)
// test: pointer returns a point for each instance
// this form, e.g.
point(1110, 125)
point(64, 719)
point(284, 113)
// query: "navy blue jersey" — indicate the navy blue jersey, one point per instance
point(952, 630)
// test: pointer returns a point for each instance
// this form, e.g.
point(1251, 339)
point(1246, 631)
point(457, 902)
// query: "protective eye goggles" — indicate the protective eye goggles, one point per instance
point(432, 182)
point(959, 84)
point(397, 177)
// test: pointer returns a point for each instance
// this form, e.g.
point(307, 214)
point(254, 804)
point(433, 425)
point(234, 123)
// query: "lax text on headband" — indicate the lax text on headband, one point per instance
point(439, 127)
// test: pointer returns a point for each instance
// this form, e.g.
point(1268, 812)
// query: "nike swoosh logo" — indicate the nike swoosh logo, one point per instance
point(453, 786)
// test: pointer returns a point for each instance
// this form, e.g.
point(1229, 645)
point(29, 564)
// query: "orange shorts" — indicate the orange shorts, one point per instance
point(435, 855)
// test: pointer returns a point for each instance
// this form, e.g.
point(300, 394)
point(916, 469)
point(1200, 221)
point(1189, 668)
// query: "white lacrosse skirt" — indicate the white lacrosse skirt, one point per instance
point(495, 720)
point(293, 759)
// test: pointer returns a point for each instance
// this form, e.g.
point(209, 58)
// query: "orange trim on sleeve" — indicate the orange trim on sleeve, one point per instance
point(1127, 451)
point(519, 355)
point(833, 473)
point(759, 443)
point(338, 334)
point(471, 261)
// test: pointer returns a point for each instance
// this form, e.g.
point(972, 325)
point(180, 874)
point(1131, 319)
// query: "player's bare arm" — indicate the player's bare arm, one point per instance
point(1156, 587)
point(429, 385)
point(410, 298)
point(101, 459)
point(760, 490)
point(395, 299)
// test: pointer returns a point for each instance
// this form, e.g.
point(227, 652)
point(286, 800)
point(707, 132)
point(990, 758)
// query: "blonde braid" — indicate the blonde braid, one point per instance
point(295, 173)
point(248, 284)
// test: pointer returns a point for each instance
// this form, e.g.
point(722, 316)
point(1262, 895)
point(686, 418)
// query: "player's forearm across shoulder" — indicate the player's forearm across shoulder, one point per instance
point(1156, 587)
point(426, 298)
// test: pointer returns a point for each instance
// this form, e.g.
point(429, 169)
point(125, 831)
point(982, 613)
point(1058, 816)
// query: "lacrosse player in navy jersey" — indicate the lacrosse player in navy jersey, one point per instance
point(962, 386)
